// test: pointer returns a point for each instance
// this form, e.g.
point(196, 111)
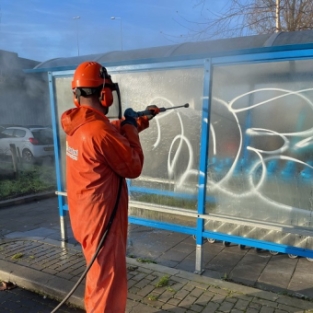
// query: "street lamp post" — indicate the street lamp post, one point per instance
point(77, 18)
point(121, 25)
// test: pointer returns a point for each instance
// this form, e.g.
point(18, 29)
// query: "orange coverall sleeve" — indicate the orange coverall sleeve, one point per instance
point(122, 151)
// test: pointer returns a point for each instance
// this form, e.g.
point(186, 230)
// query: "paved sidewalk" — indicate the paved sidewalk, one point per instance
point(33, 257)
point(46, 267)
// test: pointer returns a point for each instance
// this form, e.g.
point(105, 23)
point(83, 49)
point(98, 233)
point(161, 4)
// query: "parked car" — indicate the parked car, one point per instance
point(32, 144)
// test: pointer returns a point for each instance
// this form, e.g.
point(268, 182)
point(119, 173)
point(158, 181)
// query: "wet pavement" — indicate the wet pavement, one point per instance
point(234, 279)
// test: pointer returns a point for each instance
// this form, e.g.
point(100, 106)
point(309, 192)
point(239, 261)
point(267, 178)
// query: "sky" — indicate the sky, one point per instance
point(46, 29)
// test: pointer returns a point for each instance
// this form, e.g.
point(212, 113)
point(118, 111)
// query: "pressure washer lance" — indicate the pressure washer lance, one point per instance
point(159, 110)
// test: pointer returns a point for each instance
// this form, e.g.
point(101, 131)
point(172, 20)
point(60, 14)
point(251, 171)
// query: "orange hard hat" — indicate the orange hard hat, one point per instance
point(88, 75)
point(91, 75)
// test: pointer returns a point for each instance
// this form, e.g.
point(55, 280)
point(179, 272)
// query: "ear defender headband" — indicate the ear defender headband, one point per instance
point(77, 94)
point(106, 95)
point(90, 78)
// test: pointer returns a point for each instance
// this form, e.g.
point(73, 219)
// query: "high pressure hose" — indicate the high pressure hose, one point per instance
point(97, 251)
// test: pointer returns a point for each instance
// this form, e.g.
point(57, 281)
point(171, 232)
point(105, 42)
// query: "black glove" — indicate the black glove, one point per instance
point(154, 110)
point(130, 117)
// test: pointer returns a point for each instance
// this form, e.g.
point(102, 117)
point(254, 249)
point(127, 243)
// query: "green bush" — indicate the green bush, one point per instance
point(31, 180)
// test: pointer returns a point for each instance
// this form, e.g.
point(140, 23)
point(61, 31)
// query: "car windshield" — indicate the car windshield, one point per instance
point(44, 136)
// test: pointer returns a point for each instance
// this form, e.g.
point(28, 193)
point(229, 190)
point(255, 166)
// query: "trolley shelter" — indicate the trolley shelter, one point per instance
point(237, 164)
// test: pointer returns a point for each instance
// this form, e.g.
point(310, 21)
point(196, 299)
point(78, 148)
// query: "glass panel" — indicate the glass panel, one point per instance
point(171, 143)
point(44, 136)
point(260, 157)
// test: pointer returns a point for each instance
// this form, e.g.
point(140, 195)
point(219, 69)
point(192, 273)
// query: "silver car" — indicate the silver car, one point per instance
point(31, 144)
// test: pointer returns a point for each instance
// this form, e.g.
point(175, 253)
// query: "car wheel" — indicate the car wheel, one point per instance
point(272, 252)
point(27, 156)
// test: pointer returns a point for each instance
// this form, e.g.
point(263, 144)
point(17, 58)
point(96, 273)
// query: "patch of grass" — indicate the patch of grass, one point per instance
point(170, 289)
point(162, 282)
point(17, 256)
point(226, 277)
point(145, 260)
point(31, 180)
point(152, 297)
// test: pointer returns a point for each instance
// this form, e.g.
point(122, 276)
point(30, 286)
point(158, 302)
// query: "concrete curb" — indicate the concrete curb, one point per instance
point(43, 283)
point(39, 282)
point(25, 199)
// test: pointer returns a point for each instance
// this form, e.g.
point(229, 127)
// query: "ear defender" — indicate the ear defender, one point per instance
point(106, 97)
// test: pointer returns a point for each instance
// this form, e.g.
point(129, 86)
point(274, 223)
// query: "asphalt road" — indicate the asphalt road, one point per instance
point(19, 300)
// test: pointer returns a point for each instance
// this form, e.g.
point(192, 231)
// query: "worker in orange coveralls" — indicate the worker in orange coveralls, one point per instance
point(98, 154)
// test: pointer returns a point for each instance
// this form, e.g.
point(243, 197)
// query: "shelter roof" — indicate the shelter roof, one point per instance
point(187, 50)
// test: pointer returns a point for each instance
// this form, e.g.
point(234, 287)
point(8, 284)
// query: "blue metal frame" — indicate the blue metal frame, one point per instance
point(204, 148)
point(63, 207)
point(57, 154)
point(264, 57)
point(261, 244)
point(269, 54)
point(162, 225)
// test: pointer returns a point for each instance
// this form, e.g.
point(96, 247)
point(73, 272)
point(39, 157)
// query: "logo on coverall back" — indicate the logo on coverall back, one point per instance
point(72, 153)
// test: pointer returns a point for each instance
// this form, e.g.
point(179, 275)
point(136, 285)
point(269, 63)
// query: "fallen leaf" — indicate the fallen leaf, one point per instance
point(6, 286)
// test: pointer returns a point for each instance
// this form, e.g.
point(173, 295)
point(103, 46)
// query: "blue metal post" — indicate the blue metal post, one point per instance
point(204, 148)
point(57, 156)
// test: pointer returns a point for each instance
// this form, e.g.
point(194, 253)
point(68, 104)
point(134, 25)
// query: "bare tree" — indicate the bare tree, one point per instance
point(249, 17)
point(277, 16)
point(268, 16)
